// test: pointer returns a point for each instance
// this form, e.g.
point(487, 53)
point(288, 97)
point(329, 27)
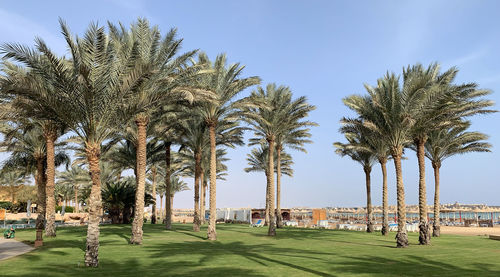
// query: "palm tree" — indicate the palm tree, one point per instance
point(195, 138)
point(88, 97)
point(177, 186)
point(25, 141)
point(272, 113)
point(436, 104)
point(75, 177)
point(445, 143)
point(168, 127)
point(225, 83)
point(363, 157)
point(424, 84)
point(258, 162)
point(51, 129)
point(188, 166)
point(157, 56)
point(13, 180)
point(372, 143)
point(383, 111)
point(28, 151)
point(295, 135)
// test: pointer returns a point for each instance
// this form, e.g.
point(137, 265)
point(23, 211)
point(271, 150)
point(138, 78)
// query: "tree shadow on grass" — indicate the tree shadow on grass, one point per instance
point(133, 267)
point(412, 266)
point(321, 235)
point(261, 254)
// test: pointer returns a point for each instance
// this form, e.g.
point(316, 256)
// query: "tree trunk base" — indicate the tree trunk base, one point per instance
point(211, 233)
point(369, 227)
point(196, 225)
point(168, 225)
point(91, 255)
point(136, 236)
point(279, 221)
point(436, 230)
point(402, 239)
point(272, 230)
point(153, 219)
point(39, 238)
point(425, 233)
point(385, 230)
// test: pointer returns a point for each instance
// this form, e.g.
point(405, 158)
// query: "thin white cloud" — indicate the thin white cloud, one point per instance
point(19, 29)
point(468, 58)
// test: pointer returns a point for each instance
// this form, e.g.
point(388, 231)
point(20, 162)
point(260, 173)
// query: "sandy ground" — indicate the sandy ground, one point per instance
point(470, 231)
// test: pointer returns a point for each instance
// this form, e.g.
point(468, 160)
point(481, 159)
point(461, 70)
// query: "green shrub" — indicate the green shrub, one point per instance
point(68, 209)
point(5, 205)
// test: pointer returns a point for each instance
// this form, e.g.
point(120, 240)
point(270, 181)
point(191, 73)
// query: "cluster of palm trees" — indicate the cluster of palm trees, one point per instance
point(426, 112)
point(121, 100)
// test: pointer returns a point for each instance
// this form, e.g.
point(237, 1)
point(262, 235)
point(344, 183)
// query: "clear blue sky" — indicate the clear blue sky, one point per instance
point(325, 50)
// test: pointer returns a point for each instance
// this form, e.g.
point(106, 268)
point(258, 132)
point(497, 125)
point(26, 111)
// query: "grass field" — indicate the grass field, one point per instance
point(242, 250)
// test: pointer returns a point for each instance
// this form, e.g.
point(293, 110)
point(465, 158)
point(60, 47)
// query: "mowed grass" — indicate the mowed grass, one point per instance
point(244, 251)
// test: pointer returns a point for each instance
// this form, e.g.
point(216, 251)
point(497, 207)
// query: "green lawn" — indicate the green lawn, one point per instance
point(242, 250)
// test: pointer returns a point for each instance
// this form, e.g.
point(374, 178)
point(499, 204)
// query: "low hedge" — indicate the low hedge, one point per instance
point(68, 209)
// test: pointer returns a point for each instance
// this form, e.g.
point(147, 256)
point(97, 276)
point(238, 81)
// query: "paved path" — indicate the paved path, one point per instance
point(11, 247)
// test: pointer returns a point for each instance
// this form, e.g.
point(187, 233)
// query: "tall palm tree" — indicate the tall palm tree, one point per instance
point(25, 141)
point(225, 83)
point(258, 162)
point(445, 143)
point(28, 150)
point(195, 138)
point(159, 57)
point(449, 103)
point(88, 97)
point(168, 126)
point(295, 135)
point(51, 129)
point(365, 158)
point(384, 112)
point(270, 112)
point(187, 161)
point(424, 84)
point(369, 141)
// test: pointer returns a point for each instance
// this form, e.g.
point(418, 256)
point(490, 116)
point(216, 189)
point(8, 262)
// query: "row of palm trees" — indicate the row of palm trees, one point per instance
point(121, 100)
point(426, 112)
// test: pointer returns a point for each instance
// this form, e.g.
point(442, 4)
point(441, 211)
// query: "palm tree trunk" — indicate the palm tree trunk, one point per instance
point(369, 224)
point(197, 173)
point(266, 213)
point(171, 202)
point(211, 231)
point(50, 227)
point(161, 206)
point(202, 196)
point(77, 207)
point(402, 236)
point(425, 232)
point(436, 227)
point(153, 211)
point(168, 190)
point(270, 184)
point(41, 198)
point(95, 205)
point(141, 122)
point(385, 208)
point(279, 217)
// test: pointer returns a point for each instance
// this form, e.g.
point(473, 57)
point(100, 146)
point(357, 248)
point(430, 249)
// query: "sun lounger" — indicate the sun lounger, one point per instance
point(259, 223)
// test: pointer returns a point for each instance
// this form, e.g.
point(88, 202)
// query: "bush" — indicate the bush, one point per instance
point(19, 207)
point(68, 209)
point(5, 205)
